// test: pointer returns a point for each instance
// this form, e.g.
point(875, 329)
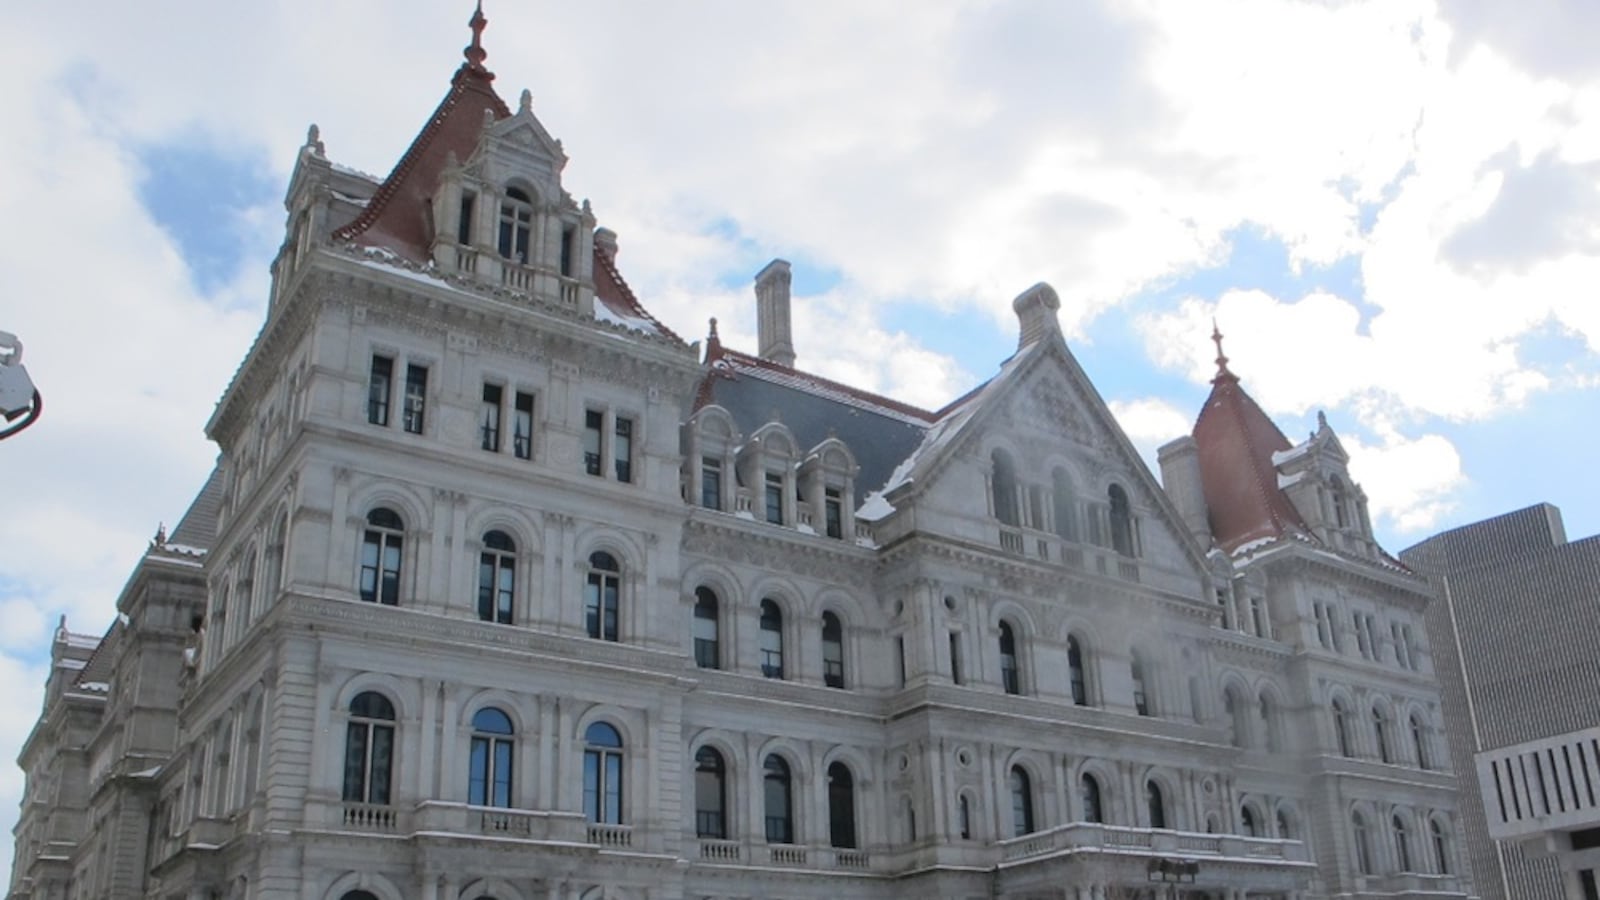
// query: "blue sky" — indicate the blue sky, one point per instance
point(1392, 208)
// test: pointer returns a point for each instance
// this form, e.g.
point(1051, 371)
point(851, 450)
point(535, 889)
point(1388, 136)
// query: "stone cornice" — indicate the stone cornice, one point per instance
point(727, 538)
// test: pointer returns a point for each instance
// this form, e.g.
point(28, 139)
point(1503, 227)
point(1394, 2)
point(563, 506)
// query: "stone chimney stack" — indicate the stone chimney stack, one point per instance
point(1036, 314)
point(772, 313)
point(1180, 477)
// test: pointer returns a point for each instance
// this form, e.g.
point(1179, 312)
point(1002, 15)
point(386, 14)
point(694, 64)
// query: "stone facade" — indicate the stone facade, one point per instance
point(501, 589)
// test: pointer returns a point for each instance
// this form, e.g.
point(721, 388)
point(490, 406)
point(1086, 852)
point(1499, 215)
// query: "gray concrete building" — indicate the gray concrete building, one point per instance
point(1516, 633)
point(502, 589)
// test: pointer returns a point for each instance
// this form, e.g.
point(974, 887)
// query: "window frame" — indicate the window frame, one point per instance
point(602, 597)
point(604, 774)
point(373, 784)
point(387, 543)
point(497, 751)
point(770, 639)
point(497, 595)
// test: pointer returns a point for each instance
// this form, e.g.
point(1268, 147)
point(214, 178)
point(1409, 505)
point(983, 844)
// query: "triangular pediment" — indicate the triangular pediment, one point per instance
point(522, 134)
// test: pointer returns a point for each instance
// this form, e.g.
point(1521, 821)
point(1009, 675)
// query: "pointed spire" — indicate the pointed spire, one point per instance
point(1222, 358)
point(474, 52)
point(713, 343)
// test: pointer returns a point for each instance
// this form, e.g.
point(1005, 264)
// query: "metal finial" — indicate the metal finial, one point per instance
point(1222, 358)
point(475, 53)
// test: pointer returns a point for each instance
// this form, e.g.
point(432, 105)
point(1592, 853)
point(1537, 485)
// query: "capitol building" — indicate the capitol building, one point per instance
point(502, 588)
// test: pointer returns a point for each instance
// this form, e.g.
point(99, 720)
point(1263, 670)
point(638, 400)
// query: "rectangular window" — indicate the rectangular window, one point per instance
point(1324, 624)
point(622, 449)
point(416, 397)
point(464, 224)
point(832, 513)
point(522, 426)
point(1258, 617)
point(774, 498)
point(1227, 614)
point(900, 659)
point(569, 251)
point(379, 389)
point(955, 658)
point(594, 423)
point(489, 418)
point(711, 482)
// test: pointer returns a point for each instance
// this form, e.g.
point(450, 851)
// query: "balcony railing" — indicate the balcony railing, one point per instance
point(786, 854)
point(1087, 835)
point(712, 850)
point(612, 836)
point(369, 817)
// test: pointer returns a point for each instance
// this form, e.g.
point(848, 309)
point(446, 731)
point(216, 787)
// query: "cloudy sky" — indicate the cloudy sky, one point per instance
point(1391, 208)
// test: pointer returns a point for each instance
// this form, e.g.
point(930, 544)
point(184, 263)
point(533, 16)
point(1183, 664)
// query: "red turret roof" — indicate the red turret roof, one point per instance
point(1236, 442)
point(396, 216)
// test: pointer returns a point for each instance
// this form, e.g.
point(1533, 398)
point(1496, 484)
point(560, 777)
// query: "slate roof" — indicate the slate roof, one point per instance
point(880, 432)
point(1236, 442)
point(198, 527)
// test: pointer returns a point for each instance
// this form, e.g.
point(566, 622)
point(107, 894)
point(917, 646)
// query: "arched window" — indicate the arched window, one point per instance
point(1066, 514)
point(602, 774)
point(1233, 705)
point(493, 747)
point(1419, 741)
point(1285, 827)
point(1141, 695)
point(369, 749)
point(1155, 804)
point(1380, 735)
point(1402, 844)
point(710, 794)
point(771, 639)
point(497, 578)
point(707, 652)
point(1089, 795)
point(516, 218)
point(1121, 520)
point(964, 816)
point(1076, 674)
point(776, 794)
point(1341, 727)
point(1004, 484)
point(1363, 842)
point(1269, 730)
point(1010, 678)
point(600, 596)
point(272, 562)
point(832, 651)
point(358, 895)
point(1247, 822)
point(841, 806)
point(1021, 802)
point(1441, 845)
point(380, 557)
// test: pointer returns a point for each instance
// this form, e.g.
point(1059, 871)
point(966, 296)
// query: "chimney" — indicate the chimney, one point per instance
point(772, 313)
point(1036, 314)
point(1180, 477)
point(606, 240)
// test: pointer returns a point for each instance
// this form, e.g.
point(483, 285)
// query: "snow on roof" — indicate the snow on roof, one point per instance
point(1298, 450)
point(876, 507)
point(351, 170)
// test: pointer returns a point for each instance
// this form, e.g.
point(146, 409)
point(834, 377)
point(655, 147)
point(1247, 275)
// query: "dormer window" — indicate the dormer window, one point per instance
point(774, 497)
point(1121, 520)
point(516, 221)
point(569, 251)
point(469, 202)
point(1341, 512)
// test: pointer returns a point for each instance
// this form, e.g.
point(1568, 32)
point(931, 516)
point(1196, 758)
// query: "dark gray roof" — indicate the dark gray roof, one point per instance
point(198, 527)
point(879, 431)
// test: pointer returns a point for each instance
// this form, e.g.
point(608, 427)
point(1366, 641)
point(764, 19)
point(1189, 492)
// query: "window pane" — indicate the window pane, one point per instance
point(382, 757)
point(478, 773)
point(355, 763)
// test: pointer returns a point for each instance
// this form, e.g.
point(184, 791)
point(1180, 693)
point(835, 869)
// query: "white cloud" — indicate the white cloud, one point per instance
point(1150, 422)
point(1408, 481)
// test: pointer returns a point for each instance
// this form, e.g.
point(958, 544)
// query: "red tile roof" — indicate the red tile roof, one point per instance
point(1236, 440)
point(396, 216)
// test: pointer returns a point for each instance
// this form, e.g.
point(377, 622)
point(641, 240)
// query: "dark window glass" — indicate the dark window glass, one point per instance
point(1141, 698)
point(1358, 829)
point(516, 217)
point(380, 558)
point(602, 774)
point(1010, 678)
point(832, 513)
point(522, 426)
point(1155, 806)
point(1076, 674)
point(416, 398)
point(771, 640)
point(1402, 844)
point(841, 807)
point(707, 654)
point(774, 498)
point(569, 251)
point(1341, 728)
point(1247, 822)
point(1441, 846)
point(594, 423)
point(622, 449)
point(464, 222)
point(1062, 505)
point(710, 794)
point(379, 388)
point(1089, 794)
point(1021, 802)
point(600, 596)
point(1005, 488)
point(775, 794)
point(964, 817)
point(490, 767)
point(369, 749)
point(832, 651)
point(711, 482)
point(1380, 733)
point(1121, 521)
point(497, 578)
point(489, 418)
point(955, 659)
